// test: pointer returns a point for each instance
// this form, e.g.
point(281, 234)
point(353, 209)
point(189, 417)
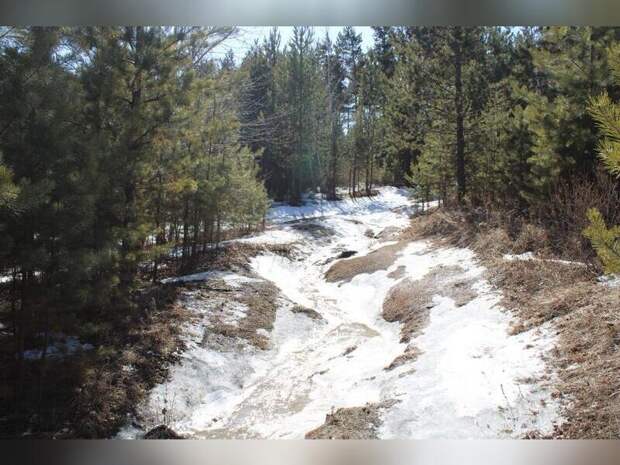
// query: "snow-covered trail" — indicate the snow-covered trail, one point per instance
point(472, 380)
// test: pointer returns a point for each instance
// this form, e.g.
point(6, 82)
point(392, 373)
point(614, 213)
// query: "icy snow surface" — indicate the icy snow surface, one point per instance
point(472, 379)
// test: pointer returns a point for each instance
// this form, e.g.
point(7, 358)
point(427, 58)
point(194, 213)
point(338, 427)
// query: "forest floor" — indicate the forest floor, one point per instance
point(377, 325)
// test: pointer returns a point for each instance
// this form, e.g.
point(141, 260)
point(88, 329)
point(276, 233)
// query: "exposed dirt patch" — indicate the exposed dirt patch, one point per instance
point(230, 256)
point(397, 273)
point(258, 299)
point(310, 313)
point(409, 355)
point(379, 259)
point(409, 301)
point(351, 423)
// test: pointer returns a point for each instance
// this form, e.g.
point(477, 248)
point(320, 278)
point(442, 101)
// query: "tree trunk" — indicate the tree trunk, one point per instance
point(458, 102)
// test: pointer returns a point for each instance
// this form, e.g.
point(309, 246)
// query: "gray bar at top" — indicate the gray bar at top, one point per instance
point(310, 12)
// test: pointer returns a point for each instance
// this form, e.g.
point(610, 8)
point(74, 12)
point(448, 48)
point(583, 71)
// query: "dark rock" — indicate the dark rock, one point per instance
point(162, 432)
point(347, 253)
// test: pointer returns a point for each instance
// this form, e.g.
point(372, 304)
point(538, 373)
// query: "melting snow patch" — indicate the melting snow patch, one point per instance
point(63, 346)
point(530, 256)
point(611, 280)
point(272, 236)
point(232, 279)
point(472, 379)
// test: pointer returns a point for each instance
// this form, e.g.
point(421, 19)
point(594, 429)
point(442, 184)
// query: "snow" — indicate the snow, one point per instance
point(273, 236)
point(527, 256)
point(472, 379)
point(62, 346)
point(232, 280)
point(611, 280)
point(389, 197)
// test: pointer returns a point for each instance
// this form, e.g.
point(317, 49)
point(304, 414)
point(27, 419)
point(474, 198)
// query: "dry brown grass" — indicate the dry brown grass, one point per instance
point(493, 243)
point(538, 291)
point(397, 273)
point(409, 355)
point(409, 301)
point(261, 299)
point(351, 423)
point(531, 238)
point(310, 313)
point(588, 360)
point(436, 223)
point(379, 259)
point(146, 347)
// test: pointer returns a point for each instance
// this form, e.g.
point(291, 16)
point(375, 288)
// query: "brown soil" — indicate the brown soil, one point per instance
point(409, 301)
point(351, 423)
point(233, 256)
point(410, 354)
point(310, 313)
point(379, 259)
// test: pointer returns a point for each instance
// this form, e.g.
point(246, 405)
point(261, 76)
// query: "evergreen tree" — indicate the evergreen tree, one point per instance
point(606, 241)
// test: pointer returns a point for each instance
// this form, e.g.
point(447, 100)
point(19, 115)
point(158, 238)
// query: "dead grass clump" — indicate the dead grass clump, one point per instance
point(388, 234)
point(162, 432)
point(379, 259)
point(492, 243)
point(351, 423)
point(588, 359)
point(397, 273)
point(310, 313)
point(260, 298)
point(531, 238)
point(409, 301)
point(117, 377)
point(236, 256)
point(538, 291)
point(435, 222)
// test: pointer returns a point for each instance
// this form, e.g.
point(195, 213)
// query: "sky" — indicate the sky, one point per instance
point(248, 34)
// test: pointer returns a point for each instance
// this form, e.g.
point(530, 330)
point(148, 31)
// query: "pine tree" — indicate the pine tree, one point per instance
point(606, 241)
point(572, 67)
